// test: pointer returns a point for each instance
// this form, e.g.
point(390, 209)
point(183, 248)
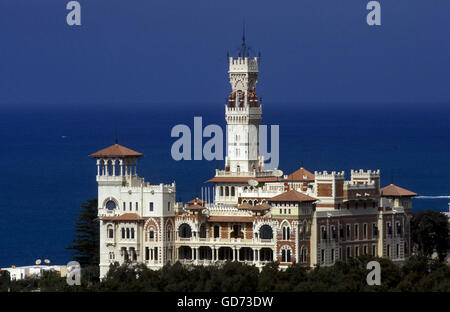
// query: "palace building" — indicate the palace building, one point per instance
point(257, 215)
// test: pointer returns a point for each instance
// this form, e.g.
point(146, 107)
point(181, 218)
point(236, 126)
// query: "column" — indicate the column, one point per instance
point(121, 167)
point(113, 167)
point(98, 167)
point(238, 251)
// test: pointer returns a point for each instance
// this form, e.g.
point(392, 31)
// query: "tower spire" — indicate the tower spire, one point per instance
point(244, 50)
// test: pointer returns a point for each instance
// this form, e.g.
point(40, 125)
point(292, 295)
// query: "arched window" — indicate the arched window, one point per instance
point(123, 232)
point(232, 191)
point(266, 232)
point(286, 233)
point(283, 255)
point(110, 231)
point(221, 191)
point(110, 205)
point(169, 230)
point(227, 191)
point(132, 233)
point(288, 255)
point(128, 232)
point(184, 231)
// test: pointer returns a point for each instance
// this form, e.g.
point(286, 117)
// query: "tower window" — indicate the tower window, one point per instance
point(110, 205)
point(137, 206)
point(124, 206)
point(150, 206)
point(110, 233)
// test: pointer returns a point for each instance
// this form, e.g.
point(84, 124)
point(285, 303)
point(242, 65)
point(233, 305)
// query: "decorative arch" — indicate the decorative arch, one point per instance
point(152, 223)
point(265, 232)
point(286, 253)
point(184, 230)
point(110, 199)
point(285, 230)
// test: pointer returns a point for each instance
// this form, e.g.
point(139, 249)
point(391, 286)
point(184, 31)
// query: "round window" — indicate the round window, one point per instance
point(110, 205)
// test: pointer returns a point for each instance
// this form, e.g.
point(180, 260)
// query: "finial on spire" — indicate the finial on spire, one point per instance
point(243, 32)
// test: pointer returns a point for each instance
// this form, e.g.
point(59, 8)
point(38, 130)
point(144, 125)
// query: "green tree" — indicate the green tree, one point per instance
point(236, 277)
point(86, 242)
point(4, 281)
point(429, 231)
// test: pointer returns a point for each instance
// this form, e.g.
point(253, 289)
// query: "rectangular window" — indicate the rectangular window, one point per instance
point(348, 232)
point(389, 228)
point(131, 206)
point(152, 234)
point(349, 252)
point(110, 233)
point(216, 231)
point(365, 231)
point(324, 232)
point(373, 250)
point(137, 206)
point(332, 255)
point(356, 251)
point(356, 231)
point(150, 206)
point(365, 250)
point(168, 206)
point(399, 228)
point(397, 250)
point(374, 230)
point(388, 250)
point(156, 253)
point(147, 253)
point(323, 255)
point(124, 206)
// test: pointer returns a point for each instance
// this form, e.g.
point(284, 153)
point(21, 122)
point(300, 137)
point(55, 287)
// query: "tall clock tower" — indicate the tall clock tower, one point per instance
point(243, 114)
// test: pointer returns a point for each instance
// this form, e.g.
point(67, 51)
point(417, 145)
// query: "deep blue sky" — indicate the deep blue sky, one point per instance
point(143, 52)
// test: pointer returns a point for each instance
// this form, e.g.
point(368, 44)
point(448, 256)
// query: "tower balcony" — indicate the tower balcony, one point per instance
point(245, 110)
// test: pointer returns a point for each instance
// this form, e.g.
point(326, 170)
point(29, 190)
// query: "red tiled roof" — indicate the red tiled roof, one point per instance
point(394, 190)
point(196, 201)
point(116, 150)
point(230, 219)
point(292, 196)
point(244, 205)
point(261, 207)
point(124, 217)
point(194, 207)
point(301, 175)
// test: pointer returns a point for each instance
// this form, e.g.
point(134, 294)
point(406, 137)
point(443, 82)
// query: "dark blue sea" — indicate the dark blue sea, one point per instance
point(46, 172)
